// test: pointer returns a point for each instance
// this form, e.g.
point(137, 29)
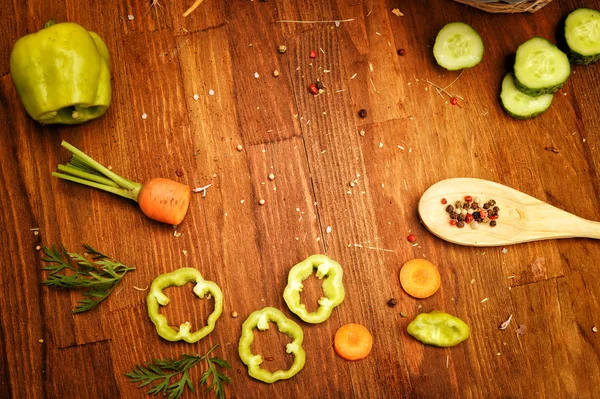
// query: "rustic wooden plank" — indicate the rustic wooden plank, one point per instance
point(71, 364)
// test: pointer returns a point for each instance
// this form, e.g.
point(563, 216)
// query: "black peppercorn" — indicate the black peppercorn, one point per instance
point(449, 208)
point(476, 215)
point(461, 218)
point(460, 224)
point(492, 223)
point(474, 206)
point(362, 113)
point(492, 202)
point(496, 209)
point(486, 205)
point(453, 215)
point(392, 302)
point(401, 52)
point(466, 205)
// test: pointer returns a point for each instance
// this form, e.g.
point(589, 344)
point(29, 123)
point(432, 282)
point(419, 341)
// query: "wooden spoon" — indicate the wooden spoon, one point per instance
point(522, 218)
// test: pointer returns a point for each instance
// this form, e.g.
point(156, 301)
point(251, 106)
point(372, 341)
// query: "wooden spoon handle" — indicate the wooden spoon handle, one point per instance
point(546, 221)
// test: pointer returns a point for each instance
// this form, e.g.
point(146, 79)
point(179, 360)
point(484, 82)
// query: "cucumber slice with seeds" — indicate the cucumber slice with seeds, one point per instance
point(540, 67)
point(582, 34)
point(458, 46)
point(520, 105)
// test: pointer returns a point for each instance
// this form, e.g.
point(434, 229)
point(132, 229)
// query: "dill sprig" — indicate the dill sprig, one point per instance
point(93, 271)
point(161, 371)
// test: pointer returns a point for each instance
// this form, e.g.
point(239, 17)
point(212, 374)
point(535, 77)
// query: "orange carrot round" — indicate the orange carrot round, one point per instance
point(420, 278)
point(165, 200)
point(353, 341)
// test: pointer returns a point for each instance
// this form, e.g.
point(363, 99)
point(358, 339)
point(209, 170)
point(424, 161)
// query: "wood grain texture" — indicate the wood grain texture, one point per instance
point(342, 185)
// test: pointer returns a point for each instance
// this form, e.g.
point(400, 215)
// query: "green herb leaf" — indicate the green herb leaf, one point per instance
point(161, 371)
point(92, 271)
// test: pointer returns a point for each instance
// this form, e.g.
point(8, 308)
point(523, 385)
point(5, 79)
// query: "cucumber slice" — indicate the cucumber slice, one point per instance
point(582, 33)
point(540, 67)
point(518, 104)
point(458, 46)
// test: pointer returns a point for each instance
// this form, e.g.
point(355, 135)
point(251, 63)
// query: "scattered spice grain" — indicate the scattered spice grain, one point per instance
point(392, 302)
point(362, 113)
point(401, 52)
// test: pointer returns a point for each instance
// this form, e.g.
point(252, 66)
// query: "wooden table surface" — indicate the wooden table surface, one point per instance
point(344, 186)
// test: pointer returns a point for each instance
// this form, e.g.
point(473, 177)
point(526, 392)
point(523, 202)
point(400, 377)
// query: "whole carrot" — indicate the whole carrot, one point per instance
point(160, 199)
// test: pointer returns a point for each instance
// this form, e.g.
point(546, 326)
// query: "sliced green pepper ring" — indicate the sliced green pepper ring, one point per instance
point(260, 319)
point(332, 287)
point(157, 298)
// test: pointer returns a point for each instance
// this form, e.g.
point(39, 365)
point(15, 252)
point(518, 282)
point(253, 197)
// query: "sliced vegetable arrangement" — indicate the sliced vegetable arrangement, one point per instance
point(157, 298)
point(260, 319)
point(520, 105)
point(62, 74)
point(97, 274)
point(333, 288)
point(164, 200)
point(458, 46)
point(582, 34)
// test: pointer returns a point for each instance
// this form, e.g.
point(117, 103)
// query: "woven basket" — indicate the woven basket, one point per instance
point(506, 6)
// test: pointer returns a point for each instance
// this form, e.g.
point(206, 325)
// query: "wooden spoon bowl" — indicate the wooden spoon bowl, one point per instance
point(522, 218)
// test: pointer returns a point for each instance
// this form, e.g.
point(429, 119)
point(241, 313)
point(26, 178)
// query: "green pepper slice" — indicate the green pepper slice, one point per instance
point(157, 298)
point(439, 329)
point(332, 287)
point(62, 74)
point(260, 319)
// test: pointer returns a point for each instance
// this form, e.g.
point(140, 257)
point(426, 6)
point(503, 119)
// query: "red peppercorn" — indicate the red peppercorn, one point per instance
point(468, 218)
point(453, 222)
point(493, 217)
point(411, 238)
point(313, 53)
point(483, 214)
point(468, 198)
point(454, 101)
point(313, 89)
point(444, 201)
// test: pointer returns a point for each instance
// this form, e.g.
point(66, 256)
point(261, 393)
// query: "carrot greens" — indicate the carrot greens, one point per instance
point(161, 371)
point(93, 271)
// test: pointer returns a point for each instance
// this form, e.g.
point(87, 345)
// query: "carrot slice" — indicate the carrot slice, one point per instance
point(420, 278)
point(353, 341)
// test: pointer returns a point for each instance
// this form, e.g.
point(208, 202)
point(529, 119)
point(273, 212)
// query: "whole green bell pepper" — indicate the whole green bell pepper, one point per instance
point(157, 298)
point(332, 287)
point(62, 74)
point(260, 319)
point(439, 329)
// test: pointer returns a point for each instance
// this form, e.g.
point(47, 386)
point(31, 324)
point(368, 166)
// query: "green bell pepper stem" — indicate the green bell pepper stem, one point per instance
point(333, 288)
point(439, 329)
point(260, 319)
point(62, 74)
point(157, 298)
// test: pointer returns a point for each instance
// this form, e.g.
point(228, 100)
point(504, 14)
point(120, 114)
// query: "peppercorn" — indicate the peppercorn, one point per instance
point(458, 204)
point(313, 88)
point(401, 52)
point(493, 217)
point(476, 215)
point(453, 222)
point(392, 302)
point(320, 85)
point(469, 218)
point(496, 209)
point(449, 208)
point(492, 223)
point(460, 225)
point(453, 215)
point(444, 201)
point(492, 202)
point(362, 113)
point(411, 238)
point(282, 48)
point(454, 101)
point(466, 205)
point(461, 218)
point(313, 53)
point(468, 198)
point(486, 205)
point(474, 205)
